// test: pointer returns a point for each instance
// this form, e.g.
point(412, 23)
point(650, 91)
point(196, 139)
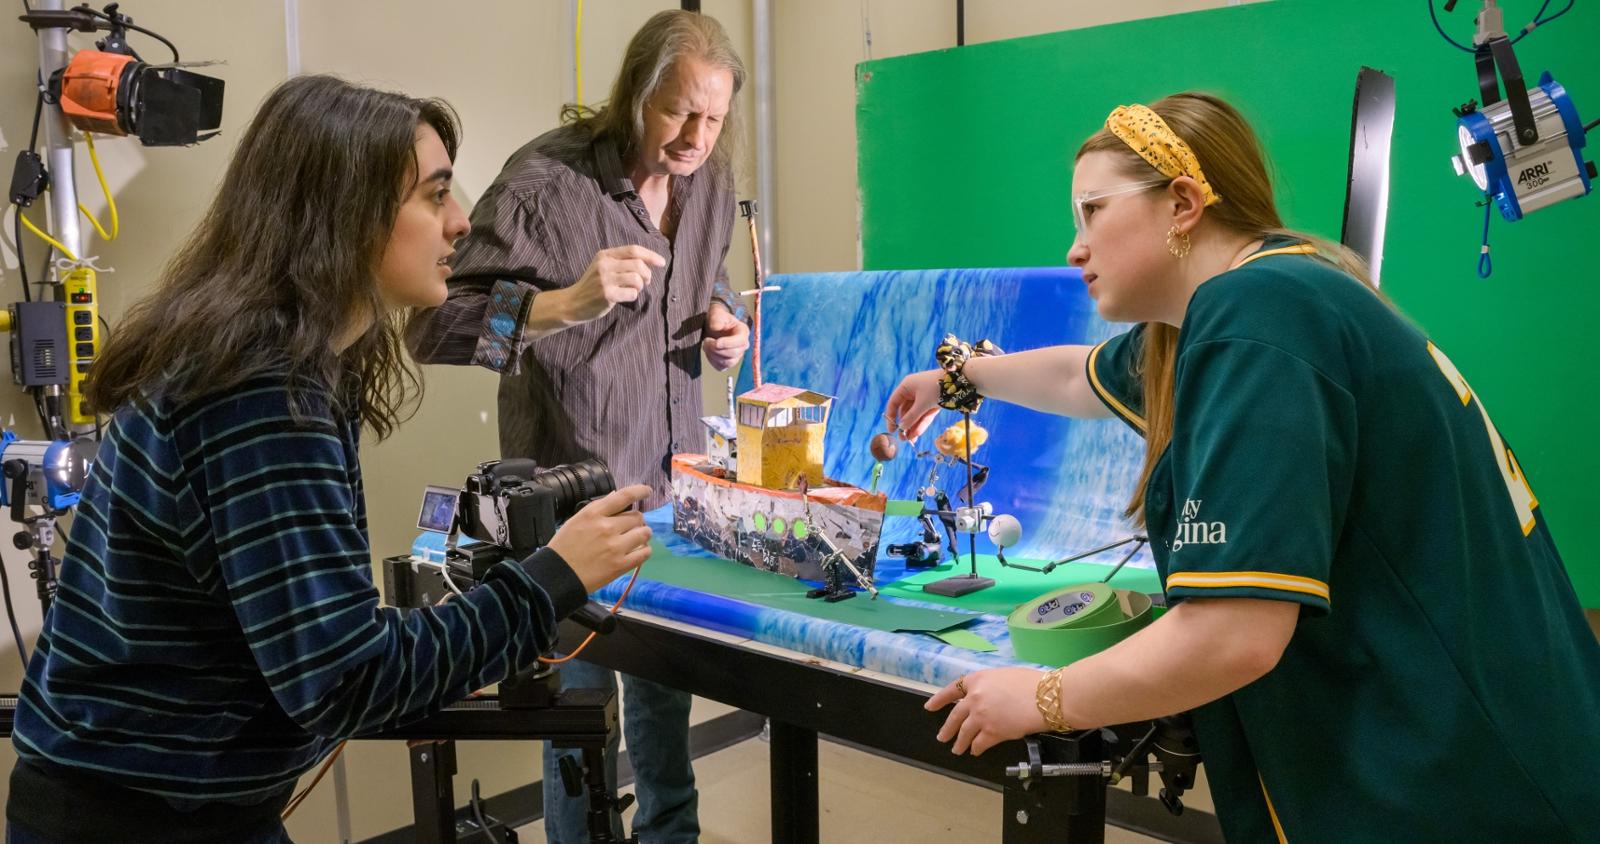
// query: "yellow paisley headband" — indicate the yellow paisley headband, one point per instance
point(1148, 135)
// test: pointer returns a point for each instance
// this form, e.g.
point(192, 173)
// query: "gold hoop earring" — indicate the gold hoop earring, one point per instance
point(1178, 244)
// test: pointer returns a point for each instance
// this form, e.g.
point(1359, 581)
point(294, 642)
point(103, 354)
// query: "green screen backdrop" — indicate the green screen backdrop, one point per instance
point(965, 161)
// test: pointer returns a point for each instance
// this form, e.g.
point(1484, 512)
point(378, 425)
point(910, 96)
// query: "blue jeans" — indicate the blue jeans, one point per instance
point(657, 728)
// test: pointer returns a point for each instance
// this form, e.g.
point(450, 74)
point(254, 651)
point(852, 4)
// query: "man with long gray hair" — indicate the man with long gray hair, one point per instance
point(592, 281)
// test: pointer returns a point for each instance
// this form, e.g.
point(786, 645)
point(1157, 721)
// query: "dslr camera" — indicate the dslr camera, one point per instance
point(506, 509)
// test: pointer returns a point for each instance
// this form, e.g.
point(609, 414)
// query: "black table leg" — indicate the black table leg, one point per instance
point(794, 784)
point(433, 798)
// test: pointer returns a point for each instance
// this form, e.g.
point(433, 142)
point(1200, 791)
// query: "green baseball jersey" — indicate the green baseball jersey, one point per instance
point(1442, 683)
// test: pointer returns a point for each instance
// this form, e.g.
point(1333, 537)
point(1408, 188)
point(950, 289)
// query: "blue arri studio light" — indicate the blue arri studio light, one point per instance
point(1525, 151)
point(1524, 176)
point(47, 473)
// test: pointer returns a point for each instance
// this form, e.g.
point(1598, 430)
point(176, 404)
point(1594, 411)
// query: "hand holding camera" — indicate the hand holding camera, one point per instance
point(605, 538)
point(509, 509)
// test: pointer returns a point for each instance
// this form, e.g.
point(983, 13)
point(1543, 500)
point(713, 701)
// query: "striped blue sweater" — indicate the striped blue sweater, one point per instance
point(217, 629)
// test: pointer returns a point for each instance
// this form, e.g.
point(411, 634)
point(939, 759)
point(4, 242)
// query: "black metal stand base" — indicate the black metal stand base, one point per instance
point(961, 584)
point(830, 595)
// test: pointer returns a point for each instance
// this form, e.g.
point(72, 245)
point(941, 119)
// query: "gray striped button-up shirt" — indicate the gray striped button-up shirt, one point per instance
point(625, 387)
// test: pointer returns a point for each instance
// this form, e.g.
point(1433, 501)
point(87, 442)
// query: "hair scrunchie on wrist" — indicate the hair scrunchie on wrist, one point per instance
point(956, 391)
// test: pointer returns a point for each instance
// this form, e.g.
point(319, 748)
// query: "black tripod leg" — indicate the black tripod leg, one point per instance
point(600, 802)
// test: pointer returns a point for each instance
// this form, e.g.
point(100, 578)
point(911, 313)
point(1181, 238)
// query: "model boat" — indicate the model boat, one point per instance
point(758, 494)
point(759, 497)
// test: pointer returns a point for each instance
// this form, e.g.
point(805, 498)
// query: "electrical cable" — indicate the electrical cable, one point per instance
point(444, 572)
point(300, 798)
point(22, 262)
point(616, 608)
point(46, 419)
point(1434, 14)
point(162, 39)
point(16, 224)
point(105, 189)
point(59, 247)
point(1591, 126)
point(1538, 20)
point(306, 792)
point(1533, 24)
point(38, 111)
point(38, 408)
point(122, 21)
point(1564, 9)
point(477, 808)
point(28, 224)
point(11, 614)
point(33, 145)
point(1485, 263)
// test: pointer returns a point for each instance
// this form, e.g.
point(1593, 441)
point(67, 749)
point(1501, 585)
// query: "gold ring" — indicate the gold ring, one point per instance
point(961, 685)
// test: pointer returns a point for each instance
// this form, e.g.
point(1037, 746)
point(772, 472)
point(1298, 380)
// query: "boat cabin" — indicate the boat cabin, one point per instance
point(780, 433)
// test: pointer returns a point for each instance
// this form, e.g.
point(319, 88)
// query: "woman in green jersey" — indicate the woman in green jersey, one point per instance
point(1369, 619)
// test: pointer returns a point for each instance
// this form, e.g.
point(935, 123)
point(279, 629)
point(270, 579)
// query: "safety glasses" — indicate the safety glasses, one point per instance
point(1081, 220)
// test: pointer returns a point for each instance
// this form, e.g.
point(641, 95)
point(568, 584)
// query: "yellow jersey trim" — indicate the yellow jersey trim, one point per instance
point(1271, 812)
point(1297, 249)
point(1111, 401)
point(1249, 580)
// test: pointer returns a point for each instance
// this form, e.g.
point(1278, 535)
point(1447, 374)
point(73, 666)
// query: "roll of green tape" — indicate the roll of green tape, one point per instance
point(1069, 624)
point(1083, 605)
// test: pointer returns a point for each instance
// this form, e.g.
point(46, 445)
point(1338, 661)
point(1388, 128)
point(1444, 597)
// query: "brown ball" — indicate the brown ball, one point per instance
point(883, 447)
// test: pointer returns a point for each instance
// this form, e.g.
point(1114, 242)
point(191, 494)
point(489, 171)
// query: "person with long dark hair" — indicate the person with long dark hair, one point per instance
point(217, 632)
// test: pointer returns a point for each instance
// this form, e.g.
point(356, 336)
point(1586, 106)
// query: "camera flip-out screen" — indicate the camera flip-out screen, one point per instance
point(439, 509)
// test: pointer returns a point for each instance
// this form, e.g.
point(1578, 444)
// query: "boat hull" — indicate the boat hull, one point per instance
point(756, 526)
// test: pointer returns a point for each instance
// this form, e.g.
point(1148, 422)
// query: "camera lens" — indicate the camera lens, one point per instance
point(574, 484)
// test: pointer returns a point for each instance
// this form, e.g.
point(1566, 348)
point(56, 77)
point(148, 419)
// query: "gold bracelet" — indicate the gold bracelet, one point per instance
point(1047, 697)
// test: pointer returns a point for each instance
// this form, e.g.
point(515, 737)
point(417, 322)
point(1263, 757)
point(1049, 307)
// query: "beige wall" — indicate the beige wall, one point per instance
point(507, 69)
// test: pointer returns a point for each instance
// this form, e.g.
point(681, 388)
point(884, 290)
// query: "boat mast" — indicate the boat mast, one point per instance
point(747, 208)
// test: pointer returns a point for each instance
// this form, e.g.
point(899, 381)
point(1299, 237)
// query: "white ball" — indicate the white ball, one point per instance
point(1005, 530)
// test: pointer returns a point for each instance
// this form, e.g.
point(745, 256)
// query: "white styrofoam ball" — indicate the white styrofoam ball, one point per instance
point(1005, 531)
